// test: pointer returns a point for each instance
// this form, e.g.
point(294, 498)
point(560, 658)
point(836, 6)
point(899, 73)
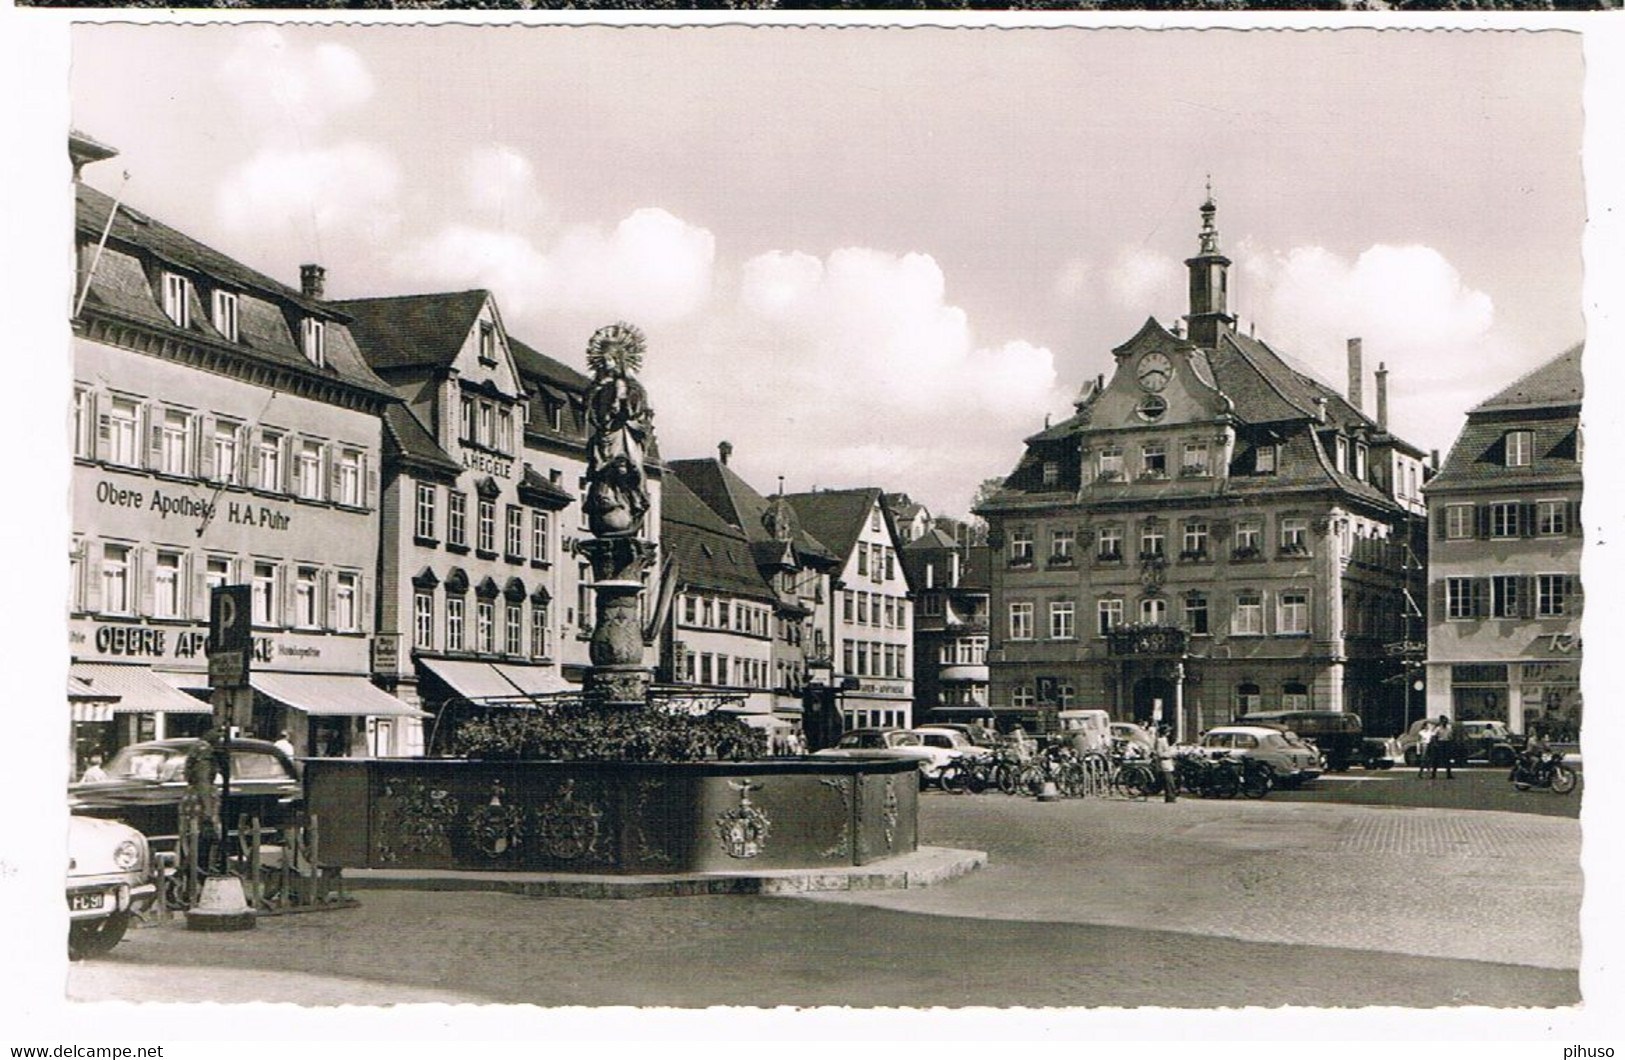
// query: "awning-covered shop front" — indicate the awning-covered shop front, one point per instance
point(497, 684)
point(332, 695)
point(88, 705)
point(137, 689)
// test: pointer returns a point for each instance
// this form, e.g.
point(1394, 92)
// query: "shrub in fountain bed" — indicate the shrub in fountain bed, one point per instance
point(614, 734)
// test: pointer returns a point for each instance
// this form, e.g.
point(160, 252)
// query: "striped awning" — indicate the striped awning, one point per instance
point(137, 689)
point(332, 695)
point(535, 680)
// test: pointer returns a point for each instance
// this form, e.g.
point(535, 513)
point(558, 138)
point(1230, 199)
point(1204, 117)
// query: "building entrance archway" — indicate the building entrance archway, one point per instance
point(1147, 690)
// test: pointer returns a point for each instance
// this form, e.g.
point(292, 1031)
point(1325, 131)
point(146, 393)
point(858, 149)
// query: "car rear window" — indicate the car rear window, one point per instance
point(256, 765)
point(152, 764)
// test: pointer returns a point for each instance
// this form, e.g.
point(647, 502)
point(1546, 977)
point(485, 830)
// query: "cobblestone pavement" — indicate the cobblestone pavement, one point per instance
point(1084, 903)
point(1475, 788)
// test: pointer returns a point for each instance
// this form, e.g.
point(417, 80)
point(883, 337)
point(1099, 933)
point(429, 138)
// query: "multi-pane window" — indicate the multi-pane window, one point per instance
point(1249, 697)
point(224, 456)
point(891, 562)
point(84, 423)
point(269, 456)
point(1458, 521)
point(540, 549)
point(1520, 448)
point(1108, 615)
point(541, 634)
point(1152, 539)
point(1060, 546)
point(487, 541)
point(349, 478)
point(484, 626)
point(1294, 535)
point(313, 335)
point(1063, 623)
point(1196, 613)
point(1505, 600)
point(308, 471)
point(177, 299)
point(1294, 696)
point(483, 432)
point(1504, 519)
point(116, 579)
point(423, 521)
point(488, 344)
point(1551, 595)
point(505, 430)
point(1249, 535)
point(1021, 620)
point(118, 431)
point(1111, 462)
point(1195, 542)
point(1021, 546)
point(346, 610)
point(863, 609)
point(223, 314)
point(1109, 543)
point(1154, 460)
point(457, 518)
point(1342, 454)
point(175, 443)
point(166, 585)
point(1248, 619)
point(264, 595)
point(863, 560)
point(1153, 611)
point(1458, 598)
point(584, 597)
point(514, 633)
point(467, 418)
point(305, 609)
point(1361, 461)
point(1051, 473)
point(1021, 697)
point(1194, 461)
point(516, 532)
point(454, 623)
point(1292, 612)
point(423, 619)
point(216, 572)
point(1552, 517)
point(1264, 461)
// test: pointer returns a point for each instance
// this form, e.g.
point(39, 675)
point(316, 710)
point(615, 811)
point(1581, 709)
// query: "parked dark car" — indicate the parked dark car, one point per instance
point(1339, 735)
point(145, 783)
point(1483, 741)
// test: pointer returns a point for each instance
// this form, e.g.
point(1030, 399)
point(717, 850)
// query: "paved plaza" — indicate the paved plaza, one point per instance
point(1082, 903)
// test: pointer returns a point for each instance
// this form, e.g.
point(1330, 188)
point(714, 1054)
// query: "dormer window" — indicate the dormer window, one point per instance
point(313, 340)
point(1264, 460)
point(223, 315)
point(1361, 456)
point(1052, 473)
point(1342, 454)
point(177, 299)
point(488, 345)
point(1520, 448)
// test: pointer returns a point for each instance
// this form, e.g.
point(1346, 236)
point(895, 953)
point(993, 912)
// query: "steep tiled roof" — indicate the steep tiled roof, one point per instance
point(268, 311)
point(835, 517)
point(738, 503)
point(932, 538)
point(413, 442)
point(1557, 382)
point(535, 365)
point(709, 553)
point(415, 330)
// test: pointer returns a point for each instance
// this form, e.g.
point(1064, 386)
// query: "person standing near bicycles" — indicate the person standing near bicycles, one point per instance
point(1163, 751)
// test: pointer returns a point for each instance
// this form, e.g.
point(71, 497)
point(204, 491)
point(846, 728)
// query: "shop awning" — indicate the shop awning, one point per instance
point(474, 681)
point(138, 689)
point(332, 695)
point(535, 680)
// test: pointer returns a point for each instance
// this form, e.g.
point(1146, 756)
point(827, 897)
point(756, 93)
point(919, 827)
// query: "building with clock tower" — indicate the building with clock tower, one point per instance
point(1213, 532)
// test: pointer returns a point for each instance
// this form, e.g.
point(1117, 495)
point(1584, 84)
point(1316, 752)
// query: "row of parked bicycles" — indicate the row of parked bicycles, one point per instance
point(1120, 773)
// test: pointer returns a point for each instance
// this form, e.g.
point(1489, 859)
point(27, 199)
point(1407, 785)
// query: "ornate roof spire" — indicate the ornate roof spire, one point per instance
point(1209, 234)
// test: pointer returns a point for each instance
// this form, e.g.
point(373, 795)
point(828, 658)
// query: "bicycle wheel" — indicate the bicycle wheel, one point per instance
point(1224, 782)
point(1009, 778)
point(1563, 779)
point(1136, 781)
point(952, 778)
point(1255, 782)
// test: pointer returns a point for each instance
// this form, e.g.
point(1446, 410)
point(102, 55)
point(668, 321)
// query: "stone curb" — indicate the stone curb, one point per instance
point(923, 868)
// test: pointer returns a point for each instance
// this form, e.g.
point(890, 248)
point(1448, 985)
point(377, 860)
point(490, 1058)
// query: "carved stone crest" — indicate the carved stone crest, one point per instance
point(569, 829)
point(496, 828)
point(743, 831)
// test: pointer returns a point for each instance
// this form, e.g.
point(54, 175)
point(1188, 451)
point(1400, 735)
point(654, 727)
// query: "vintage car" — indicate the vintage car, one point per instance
point(890, 743)
point(1487, 741)
point(1338, 735)
point(1126, 734)
point(145, 783)
point(110, 879)
point(946, 738)
point(1291, 760)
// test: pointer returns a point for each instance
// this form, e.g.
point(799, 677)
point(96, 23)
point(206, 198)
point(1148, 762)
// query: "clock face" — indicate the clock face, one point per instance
point(1154, 371)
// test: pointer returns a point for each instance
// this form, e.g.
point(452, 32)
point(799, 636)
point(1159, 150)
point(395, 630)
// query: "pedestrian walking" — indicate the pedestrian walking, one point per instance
point(1164, 752)
point(1424, 748)
point(1440, 748)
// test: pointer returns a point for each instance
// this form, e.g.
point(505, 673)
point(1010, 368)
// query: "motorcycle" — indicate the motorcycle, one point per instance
point(1542, 770)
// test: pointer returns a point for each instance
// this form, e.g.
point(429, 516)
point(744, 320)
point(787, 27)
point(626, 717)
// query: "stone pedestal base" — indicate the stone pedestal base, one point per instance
point(618, 686)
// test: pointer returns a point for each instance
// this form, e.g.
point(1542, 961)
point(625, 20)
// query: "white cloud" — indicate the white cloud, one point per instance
point(500, 186)
point(283, 87)
point(1072, 281)
point(854, 369)
point(652, 267)
point(319, 192)
point(1141, 277)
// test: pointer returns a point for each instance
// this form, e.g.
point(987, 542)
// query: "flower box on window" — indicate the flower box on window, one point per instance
point(1114, 556)
point(1061, 561)
point(1193, 471)
point(1294, 550)
point(1245, 552)
point(1021, 561)
point(1154, 559)
point(1193, 556)
point(1151, 474)
point(1111, 475)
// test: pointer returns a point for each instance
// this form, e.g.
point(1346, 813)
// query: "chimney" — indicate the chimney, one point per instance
point(1382, 396)
point(724, 451)
point(1356, 377)
point(313, 281)
point(1435, 456)
point(1320, 409)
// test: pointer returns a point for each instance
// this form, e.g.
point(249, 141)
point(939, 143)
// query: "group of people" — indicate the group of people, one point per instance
point(1434, 750)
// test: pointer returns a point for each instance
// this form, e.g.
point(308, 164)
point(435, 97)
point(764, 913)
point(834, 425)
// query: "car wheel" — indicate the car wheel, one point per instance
point(92, 938)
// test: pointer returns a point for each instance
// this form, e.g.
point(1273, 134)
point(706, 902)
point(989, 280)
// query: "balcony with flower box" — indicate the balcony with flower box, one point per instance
point(1147, 641)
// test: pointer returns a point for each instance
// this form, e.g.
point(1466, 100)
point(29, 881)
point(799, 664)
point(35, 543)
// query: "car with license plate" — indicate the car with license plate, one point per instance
point(146, 781)
point(889, 743)
point(110, 879)
point(1292, 761)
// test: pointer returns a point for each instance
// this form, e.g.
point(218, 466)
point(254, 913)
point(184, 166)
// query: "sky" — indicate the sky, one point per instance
point(883, 257)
